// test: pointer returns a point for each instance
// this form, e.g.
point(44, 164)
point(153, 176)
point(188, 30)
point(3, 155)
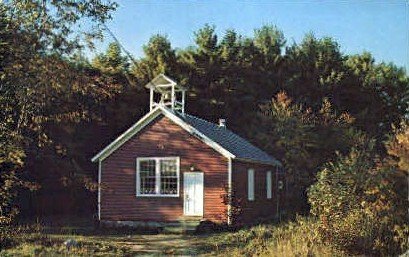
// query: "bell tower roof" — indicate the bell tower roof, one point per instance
point(165, 91)
point(162, 81)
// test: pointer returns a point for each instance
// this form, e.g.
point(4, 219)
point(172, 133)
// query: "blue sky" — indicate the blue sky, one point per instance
point(380, 27)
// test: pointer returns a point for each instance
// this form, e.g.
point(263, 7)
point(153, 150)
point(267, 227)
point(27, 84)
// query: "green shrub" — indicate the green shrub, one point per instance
point(357, 204)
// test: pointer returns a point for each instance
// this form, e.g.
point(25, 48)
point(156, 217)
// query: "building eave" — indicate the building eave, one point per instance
point(273, 162)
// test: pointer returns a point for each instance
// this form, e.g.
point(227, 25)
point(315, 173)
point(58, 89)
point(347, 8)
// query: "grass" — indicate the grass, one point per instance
point(297, 238)
point(53, 245)
point(106, 244)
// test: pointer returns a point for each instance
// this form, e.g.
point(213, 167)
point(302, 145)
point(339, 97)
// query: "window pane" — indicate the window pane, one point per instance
point(168, 177)
point(147, 177)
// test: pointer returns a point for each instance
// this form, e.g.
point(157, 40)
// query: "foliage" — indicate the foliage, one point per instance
point(315, 70)
point(398, 146)
point(112, 62)
point(160, 58)
point(297, 238)
point(385, 94)
point(235, 203)
point(358, 205)
point(302, 139)
point(39, 85)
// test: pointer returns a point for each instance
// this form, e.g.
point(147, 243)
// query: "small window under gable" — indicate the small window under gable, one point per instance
point(250, 186)
point(157, 176)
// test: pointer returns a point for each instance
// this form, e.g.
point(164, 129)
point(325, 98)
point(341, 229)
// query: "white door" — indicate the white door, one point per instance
point(193, 193)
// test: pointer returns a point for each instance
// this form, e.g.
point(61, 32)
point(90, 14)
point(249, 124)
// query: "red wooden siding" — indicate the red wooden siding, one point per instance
point(261, 207)
point(159, 139)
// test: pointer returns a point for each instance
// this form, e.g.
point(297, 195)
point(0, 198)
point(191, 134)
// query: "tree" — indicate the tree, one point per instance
point(202, 66)
point(269, 40)
point(159, 58)
point(314, 70)
point(112, 62)
point(376, 94)
point(304, 140)
point(39, 86)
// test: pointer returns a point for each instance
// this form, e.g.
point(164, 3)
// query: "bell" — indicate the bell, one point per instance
point(166, 96)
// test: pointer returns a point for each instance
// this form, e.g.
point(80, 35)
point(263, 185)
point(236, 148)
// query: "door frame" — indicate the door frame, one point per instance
point(184, 193)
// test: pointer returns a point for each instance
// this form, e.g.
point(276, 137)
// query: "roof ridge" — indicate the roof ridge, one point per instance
point(214, 124)
point(200, 119)
point(224, 128)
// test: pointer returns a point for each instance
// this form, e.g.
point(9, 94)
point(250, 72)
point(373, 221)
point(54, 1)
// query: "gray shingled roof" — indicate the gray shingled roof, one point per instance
point(229, 140)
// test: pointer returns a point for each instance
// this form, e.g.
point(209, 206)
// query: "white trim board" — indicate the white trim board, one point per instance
point(229, 191)
point(138, 126)
point(99, 189)
point(145, 120)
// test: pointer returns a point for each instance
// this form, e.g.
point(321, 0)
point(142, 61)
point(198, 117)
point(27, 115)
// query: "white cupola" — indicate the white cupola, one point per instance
point(166, 92)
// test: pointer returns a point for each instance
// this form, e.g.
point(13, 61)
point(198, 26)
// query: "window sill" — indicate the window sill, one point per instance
point(171, 196)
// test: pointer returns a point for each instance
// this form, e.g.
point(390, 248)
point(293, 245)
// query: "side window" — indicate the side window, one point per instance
point(250, 186)
point(269, 185)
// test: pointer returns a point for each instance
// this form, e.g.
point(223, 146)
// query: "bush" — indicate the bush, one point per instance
point(11, 235)
point(358, 205)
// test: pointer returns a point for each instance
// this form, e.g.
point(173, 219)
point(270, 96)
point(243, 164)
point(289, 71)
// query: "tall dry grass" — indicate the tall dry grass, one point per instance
point(298, 238)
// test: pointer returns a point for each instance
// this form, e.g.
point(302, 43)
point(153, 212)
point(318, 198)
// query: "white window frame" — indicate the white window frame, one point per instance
point(250, 184)
point(157, 173)
point(269, 185)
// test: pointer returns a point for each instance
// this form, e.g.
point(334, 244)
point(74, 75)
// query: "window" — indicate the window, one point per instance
point(157, 176)
point(269, 185)
point(169, 177)
point(250, 186)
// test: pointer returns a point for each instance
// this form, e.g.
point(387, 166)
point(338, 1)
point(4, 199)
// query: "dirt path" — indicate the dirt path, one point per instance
point(159, 245)
point(162, 244)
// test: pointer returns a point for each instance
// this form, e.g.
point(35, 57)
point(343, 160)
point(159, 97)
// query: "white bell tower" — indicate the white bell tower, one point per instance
point(166, 92)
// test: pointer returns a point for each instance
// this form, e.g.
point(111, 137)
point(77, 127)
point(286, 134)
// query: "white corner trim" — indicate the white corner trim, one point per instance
point(99, 188)
point(145, 120)
point(229, 190)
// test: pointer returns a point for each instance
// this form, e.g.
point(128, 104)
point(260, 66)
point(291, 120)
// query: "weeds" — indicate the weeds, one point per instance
point(299, 238)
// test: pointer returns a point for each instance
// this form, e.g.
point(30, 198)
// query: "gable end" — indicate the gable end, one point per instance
point(147, 119)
